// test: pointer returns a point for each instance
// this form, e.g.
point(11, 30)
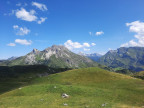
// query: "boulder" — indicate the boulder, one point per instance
point(64, 95)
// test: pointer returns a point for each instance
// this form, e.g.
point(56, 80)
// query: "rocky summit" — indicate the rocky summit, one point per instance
point(55, 56)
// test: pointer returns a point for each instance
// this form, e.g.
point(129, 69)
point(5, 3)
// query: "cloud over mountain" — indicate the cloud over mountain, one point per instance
point(72, 45)
point(138, 28)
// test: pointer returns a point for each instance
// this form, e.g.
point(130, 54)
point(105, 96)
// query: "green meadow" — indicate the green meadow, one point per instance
point(86, 87)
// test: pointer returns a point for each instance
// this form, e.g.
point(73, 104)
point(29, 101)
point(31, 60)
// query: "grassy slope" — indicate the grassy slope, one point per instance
point(17, 76)
point(88, 88)
point(139, 75)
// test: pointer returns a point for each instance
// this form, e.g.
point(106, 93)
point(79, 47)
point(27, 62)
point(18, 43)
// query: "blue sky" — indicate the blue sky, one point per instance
point(81, 25)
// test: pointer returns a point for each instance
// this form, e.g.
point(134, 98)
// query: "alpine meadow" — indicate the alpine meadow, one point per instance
point(72, 54)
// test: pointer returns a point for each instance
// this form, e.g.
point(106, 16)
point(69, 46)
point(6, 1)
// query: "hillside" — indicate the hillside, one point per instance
point(15, 76)
point(87, 88)
point(55, 56)
point(131, 58)
point(139, 75)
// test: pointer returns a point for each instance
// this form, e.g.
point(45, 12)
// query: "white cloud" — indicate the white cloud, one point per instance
point(75, 45)
point(11, 44)
point(21, 30)
point(85, 49)
point(42, 19)
point(86, 45)
point(131, 43)
point(99, 33)
point(70, 45)
point(25, 15)
point(93, 44)
point(138, 28)
point(41, 6)
point(23, 41)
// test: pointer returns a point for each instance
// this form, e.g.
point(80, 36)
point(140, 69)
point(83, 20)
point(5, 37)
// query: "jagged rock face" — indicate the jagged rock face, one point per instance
point(30, 59)
point(35, 51)
point(131, 58)
point(55, 56)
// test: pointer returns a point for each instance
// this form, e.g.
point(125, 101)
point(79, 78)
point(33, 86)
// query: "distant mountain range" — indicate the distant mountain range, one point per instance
point(93, 56)
point(12, 58)
point(130, 58)
point(55, 56)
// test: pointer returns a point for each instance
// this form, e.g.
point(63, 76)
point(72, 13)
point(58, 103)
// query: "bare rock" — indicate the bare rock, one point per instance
point(64, 95)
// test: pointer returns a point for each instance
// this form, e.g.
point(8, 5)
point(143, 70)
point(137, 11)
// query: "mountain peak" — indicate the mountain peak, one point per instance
point(56, 48)
point(35, 51)
point(113, 51)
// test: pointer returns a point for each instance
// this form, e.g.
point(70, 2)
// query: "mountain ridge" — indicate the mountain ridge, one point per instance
point(130, 58)
point(55, 56)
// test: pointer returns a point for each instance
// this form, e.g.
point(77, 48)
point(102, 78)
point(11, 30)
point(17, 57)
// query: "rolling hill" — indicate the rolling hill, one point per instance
point(87, 88)
point(131, 58)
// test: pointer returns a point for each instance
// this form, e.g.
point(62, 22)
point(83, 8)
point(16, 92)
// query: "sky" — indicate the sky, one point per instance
point(88, 26)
